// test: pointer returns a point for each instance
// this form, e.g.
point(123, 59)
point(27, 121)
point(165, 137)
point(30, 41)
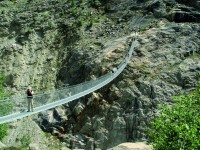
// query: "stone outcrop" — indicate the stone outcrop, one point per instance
point(173, 10)
point(132, 146)
point(182, 13)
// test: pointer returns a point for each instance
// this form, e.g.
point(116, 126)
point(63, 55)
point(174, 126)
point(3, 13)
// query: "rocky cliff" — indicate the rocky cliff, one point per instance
point(48, 44)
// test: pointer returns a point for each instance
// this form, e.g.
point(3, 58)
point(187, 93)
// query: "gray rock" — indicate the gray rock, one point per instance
point(78, 108)
point(60, 114)
point(65, 148)
point(90, 144)
point(33, 146)
point(132, 146)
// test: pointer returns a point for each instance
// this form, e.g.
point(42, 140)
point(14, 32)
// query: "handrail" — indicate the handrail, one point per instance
point(45, 101)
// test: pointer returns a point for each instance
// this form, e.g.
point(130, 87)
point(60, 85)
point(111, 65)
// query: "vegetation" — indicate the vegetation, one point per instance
point(13, 148)
point(178, 126)
point(43, 12)
point(5, 107)
point(2, 93)
point(25, 141)
point(3, 130)
point(55, 143)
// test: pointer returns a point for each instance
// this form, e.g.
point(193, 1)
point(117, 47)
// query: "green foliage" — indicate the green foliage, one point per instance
point(13, 148)
point(199, 73)
point(96, 3)
point(2, 79)
point(107, 7)
point(2, 93)
point(75, 12)
point(178, 126)
point(46, 15)
point(55, 142)
point(72, 2)
point(128, 102)
point(91, 21)
point(3, 130)
point(83, 1)
point(25, 140)
point(80, 22)
point(47, 134)
point(28, 30)
point(5, 107)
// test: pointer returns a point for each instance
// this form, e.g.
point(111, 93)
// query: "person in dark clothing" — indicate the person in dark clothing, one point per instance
point(29, 93)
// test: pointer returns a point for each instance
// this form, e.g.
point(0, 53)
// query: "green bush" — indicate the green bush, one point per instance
point(178, 126)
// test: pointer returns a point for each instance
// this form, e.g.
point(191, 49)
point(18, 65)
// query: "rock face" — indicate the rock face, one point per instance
point(46, 50)
point(163, 66)
point(175, 10)
point(25, 132)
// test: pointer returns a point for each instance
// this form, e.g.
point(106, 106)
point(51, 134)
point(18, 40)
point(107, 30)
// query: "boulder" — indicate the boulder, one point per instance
point(132, 146)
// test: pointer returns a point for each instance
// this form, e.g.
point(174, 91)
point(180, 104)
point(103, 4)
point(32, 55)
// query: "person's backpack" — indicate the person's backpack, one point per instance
point(29, 92)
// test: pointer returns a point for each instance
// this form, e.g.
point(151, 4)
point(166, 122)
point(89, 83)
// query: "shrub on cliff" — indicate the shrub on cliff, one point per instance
point(178, 126)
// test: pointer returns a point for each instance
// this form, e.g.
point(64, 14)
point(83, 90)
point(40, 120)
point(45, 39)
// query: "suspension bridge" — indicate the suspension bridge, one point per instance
point(57, 97)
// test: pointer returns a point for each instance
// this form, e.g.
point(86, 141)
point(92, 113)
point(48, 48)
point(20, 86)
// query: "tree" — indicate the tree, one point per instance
point(178, 125)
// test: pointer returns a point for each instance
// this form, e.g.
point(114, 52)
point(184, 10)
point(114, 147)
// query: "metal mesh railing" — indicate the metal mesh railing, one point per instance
point(51, 99)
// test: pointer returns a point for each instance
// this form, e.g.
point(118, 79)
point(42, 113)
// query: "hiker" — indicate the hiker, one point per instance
point(29, 93)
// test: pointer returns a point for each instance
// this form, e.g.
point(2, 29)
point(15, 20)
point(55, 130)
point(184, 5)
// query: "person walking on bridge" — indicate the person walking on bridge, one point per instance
point(29, 93)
